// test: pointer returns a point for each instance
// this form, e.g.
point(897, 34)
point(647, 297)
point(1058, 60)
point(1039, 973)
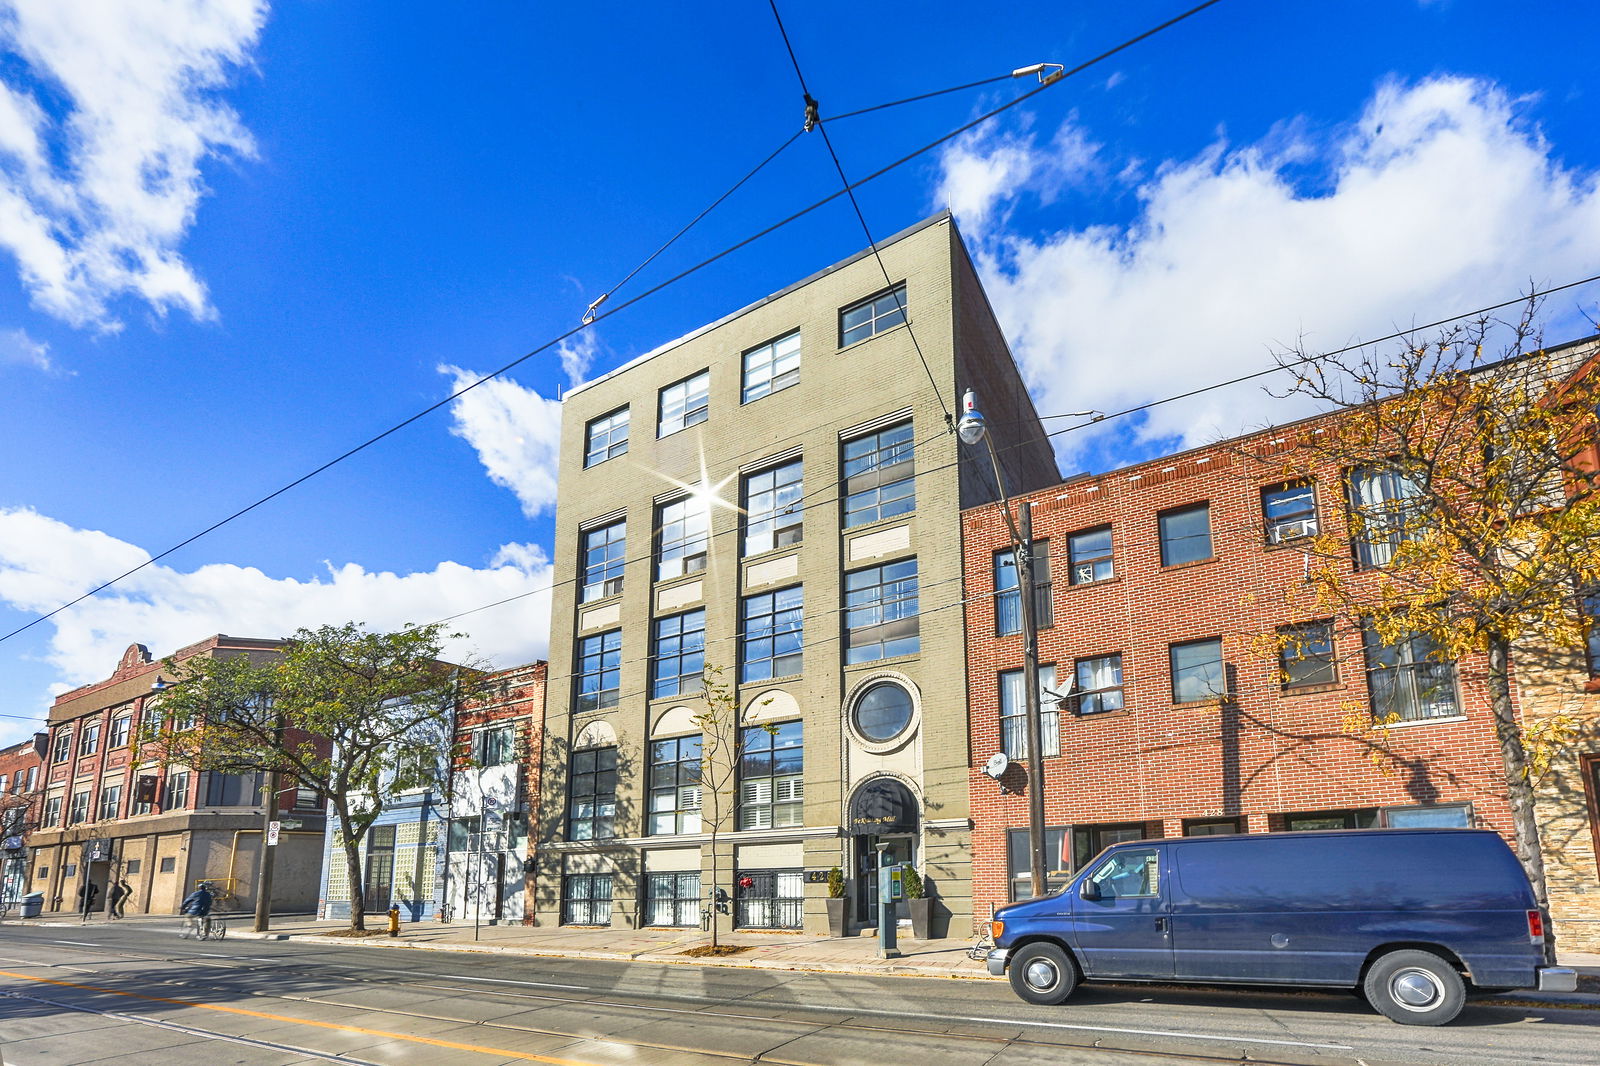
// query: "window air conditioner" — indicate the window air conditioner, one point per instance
point(611, 587)
point(1282, 531)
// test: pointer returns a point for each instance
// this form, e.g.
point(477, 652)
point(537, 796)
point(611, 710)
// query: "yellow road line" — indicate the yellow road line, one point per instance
point(527, 1056)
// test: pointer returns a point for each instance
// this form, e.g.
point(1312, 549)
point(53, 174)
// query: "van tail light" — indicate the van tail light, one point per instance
point(1536, 927)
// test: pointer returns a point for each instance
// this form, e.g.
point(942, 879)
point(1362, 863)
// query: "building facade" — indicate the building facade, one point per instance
point(499, 739)
point(21, 771)
point(113, 812)
point(1192, 685)
point(456, 849)
point(776, 496)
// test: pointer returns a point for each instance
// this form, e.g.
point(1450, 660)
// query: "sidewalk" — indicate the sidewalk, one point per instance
point(764, 950)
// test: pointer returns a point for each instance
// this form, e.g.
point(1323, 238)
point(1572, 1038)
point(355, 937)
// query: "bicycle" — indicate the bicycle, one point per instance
point(985, 943)
point(203, 927)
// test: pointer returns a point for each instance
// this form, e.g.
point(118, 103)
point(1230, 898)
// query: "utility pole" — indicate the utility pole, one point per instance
point(972, 429)
point(1022, 547)
point(269, 817)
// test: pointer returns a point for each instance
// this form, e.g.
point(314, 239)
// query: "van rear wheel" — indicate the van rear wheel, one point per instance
point(1043, 974)
point(1415, 988)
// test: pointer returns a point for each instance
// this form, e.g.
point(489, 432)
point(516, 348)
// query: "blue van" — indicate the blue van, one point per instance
point(1409, 917)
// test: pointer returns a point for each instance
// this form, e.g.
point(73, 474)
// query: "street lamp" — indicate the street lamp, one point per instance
point(972, 429)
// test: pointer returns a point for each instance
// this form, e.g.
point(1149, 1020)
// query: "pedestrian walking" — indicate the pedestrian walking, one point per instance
point(120, 891)
point(86, 898)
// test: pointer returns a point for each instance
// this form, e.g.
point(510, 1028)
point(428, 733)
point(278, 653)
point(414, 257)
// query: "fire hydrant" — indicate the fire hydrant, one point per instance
point(394, 921)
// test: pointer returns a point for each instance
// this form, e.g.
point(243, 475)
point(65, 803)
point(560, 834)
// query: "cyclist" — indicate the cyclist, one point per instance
point(197, 905)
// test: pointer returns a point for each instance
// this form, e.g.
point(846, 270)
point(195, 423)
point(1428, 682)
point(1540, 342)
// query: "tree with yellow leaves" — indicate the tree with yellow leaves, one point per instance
point(1472, 520)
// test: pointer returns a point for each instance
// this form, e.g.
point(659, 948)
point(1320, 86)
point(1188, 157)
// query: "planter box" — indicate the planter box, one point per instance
point(836, 917)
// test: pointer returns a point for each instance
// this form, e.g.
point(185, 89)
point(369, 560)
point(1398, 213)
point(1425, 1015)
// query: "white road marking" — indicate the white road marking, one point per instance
point(505, 981)
point(77, 943)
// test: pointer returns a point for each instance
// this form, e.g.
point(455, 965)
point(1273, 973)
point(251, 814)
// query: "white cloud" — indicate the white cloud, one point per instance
point(45, 562)
point(517, 434)
point(578, 355)
point(984, 170)
point(19, 349)
point(98, 189)
point(1436, 200)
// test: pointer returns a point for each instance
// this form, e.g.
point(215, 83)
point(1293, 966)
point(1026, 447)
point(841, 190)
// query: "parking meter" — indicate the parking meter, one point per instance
point(888, 892)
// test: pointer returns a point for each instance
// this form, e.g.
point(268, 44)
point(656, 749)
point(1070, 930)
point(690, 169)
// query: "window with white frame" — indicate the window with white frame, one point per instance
point(1014, 714)
point(606, 437)
point(89, 739)
point(772, 634)
point(121, 728)
point(52, 811)
point(685, 403)
point(873, 315)
point(176, 795)
point(773, 515)
point(683, 537)
point(1409, 680)
point(80, 808)
point(604, 550)
point(1099, 684)
point(879, 475)
point(675, 785)
point(880, 617)
point(63, 746)
point(771, 367)
point(772, 777)
point(678, 658)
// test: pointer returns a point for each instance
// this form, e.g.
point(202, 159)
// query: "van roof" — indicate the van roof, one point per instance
point(1320, 834)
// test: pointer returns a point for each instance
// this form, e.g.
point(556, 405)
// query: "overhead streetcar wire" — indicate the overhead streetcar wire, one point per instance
point(599, 317)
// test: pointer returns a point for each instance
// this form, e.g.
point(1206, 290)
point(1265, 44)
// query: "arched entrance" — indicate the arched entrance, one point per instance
point(882, 811)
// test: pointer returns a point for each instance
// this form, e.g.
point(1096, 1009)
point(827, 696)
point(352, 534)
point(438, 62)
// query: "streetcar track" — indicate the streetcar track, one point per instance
point(844, 1025)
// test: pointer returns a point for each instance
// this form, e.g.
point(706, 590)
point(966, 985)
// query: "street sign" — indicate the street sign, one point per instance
point(272, 834)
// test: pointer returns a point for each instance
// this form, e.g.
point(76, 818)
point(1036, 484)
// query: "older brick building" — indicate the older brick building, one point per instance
point(111, 811)
point(1162, 577)
point(21, 772)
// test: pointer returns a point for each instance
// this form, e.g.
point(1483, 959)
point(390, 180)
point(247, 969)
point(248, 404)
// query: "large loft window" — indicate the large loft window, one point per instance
point(771, 635)
point(675, 785)
point(773, 515)
point(679, 654)
point(685, 403)
point(683, 537)
point(880, 617)
point(606, 437)
point(599, 670)
point(872, 316)
point(771, 367)
point(592, 801)
point(879, 475)
point(772, 777)
point(604, 551)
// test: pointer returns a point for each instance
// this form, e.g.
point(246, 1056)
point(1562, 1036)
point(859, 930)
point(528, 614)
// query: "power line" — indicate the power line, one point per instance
point(547, 345)
point(1540, 294)
point(921, 96)
point(899, 297)
point(833, 486)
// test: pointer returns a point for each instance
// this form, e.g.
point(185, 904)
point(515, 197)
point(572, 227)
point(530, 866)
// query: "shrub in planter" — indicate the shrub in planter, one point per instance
point(836, 903)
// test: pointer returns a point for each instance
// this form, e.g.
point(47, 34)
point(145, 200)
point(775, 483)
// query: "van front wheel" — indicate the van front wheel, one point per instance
point(1415, 988)
point(1043, 974)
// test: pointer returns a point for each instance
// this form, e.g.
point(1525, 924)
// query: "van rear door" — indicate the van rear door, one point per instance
point(1122, 921)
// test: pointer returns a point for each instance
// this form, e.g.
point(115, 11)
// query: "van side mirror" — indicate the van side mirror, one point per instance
point(1089, 890)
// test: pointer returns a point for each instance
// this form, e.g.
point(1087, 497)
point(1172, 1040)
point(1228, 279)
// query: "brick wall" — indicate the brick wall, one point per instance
point(1265, 752)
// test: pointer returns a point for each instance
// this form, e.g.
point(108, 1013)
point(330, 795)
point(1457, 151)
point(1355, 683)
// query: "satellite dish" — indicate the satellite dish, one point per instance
point(997, 764)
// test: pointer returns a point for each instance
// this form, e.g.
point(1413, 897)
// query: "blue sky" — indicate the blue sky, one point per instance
point(237, 239)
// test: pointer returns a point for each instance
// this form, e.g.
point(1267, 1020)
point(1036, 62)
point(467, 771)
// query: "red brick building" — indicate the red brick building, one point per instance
point(111, 811)
point(1182, 718)
point(499, 738)
point(21, 772)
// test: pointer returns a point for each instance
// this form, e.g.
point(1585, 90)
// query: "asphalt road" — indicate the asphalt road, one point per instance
point(137, 995)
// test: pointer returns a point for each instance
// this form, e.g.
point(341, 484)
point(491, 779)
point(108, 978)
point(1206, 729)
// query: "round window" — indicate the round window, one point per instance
point(883, 711)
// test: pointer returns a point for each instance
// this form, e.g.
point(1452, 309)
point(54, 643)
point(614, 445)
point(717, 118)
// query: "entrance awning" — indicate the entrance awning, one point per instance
point(883, 806)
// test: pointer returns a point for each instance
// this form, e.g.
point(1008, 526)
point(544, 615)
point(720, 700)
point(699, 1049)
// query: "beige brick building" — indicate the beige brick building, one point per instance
point(777, 494)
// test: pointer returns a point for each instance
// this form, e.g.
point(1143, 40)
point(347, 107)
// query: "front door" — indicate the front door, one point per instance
point(1126, 930)
point(866, 858)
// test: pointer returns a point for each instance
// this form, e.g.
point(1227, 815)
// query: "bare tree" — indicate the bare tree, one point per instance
point(725, 732)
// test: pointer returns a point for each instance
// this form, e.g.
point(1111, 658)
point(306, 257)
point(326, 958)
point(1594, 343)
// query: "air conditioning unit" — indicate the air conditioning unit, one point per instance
point(1305, 527)
point(611, 587)
point(693, 564)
